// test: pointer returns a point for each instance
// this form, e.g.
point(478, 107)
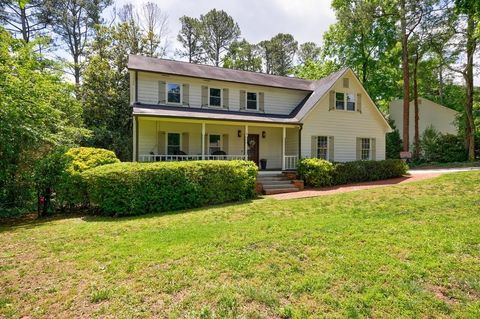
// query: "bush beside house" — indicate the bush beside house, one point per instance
point(59, 174)
point(318, 172)
point(139, 188)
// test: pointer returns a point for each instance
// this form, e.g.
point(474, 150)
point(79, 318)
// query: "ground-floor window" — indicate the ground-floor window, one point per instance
point(322, 147)
point(173, 143)
point(214, 143)
point(366, 149)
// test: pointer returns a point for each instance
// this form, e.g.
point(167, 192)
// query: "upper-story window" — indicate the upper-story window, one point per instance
point(215, 98)
point(174, 93)
point(252, 101)
point(345, 101)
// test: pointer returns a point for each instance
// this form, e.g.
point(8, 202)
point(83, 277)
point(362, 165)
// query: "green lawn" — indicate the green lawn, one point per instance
point(404, 251)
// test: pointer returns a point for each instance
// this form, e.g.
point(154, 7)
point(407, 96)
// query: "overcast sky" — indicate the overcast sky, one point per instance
point(259, 20)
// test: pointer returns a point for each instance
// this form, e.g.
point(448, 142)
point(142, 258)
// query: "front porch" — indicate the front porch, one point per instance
point(167, 139)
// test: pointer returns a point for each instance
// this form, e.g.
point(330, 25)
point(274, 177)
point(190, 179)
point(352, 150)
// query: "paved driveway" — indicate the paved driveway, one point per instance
point(415, 175)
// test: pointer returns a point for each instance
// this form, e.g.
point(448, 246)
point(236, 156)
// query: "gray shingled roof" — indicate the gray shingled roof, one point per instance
point(142, 63)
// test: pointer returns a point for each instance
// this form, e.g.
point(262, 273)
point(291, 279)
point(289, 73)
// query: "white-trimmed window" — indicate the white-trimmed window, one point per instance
point(215, 97)
point(173, 143)
point(214, 143)
point(322, 147)
point(366, 149)
point(345, 101)
point(174, 93)
point(252, 100)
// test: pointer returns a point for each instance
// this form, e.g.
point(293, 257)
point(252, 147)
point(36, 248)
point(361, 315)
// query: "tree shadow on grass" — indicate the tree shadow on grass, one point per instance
point(32, 220)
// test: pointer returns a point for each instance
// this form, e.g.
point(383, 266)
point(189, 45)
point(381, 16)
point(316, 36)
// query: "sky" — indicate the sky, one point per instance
point(259, 20)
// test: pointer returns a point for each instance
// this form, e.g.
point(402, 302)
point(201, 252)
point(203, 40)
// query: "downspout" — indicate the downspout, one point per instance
point(300, 142)
point(136, 138)
point(136, 87)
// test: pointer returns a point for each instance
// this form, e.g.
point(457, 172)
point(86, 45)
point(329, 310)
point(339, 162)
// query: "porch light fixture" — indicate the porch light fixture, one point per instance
point(239, 133)
point(264, 134)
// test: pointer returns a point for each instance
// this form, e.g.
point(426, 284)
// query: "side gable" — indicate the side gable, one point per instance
point(325, 85)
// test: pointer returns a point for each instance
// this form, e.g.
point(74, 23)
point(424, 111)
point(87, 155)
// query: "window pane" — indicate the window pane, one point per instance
point(215, 97)
point(350, 102)
point(214, 143)
point(322, 147)
point(365, 153)
point(173, 92)
point(174, 139)
point(339, 101)
point(251, 100)
point(252, 96)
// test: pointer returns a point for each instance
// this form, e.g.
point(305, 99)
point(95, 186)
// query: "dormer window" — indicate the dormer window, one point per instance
point(174, 93)
point(345, 101)
point(215, 97)
point(252, 101)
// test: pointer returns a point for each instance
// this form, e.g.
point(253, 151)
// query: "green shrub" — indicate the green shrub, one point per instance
point(364, 171)
point(71, 191)
point(393, 142)
point(139, 188)
point(315, 172)
point(441, 148)
point(48, 173)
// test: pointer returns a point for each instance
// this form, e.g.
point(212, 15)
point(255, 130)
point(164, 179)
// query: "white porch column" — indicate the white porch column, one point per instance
point(203, 141)
point(135, 124)
point(246, 143)
point(284, 136)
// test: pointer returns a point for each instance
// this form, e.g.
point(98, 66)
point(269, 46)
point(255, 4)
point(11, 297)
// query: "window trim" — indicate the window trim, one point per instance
point(327, 147)
point(221, 97)
point(257, 100)
point(221, 141)
point(181, 93)
point(166, 141)
point(345, 100)
point(369, 149)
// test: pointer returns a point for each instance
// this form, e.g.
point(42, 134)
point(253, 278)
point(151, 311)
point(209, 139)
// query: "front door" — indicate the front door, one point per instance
point(252, 143)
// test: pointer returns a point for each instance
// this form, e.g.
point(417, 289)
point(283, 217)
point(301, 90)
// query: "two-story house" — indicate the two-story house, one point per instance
point(186, 111)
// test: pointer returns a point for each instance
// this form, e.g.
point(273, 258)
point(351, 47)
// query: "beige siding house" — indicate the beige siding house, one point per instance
point(442, 118)
point(188, 111)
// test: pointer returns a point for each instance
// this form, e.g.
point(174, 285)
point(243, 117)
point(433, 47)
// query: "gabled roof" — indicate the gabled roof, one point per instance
point(321, 87)
point(317, 89)
point(142, 63)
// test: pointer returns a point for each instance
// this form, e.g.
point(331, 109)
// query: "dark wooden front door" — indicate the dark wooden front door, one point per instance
point(252, 143)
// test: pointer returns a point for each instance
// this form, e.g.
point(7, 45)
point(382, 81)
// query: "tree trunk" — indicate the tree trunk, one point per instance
point(468, 75)
point(440, 85)
point(415, 96)
point(406, 79)
point(23, 18)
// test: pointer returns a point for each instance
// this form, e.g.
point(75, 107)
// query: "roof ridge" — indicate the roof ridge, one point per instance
point(223, 68)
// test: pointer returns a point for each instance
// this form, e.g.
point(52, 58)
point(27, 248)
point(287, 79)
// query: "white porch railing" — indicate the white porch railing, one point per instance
point(171, 158)
point(291, 161)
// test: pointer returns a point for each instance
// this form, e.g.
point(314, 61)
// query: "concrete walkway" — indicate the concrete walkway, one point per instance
point(415, 175)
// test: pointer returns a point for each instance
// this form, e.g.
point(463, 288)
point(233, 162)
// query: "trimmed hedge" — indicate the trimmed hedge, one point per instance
point(317, 173)
point(71, 191)
point(140, 188)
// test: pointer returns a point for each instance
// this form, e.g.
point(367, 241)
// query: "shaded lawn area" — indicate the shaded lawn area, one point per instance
point(411, 250)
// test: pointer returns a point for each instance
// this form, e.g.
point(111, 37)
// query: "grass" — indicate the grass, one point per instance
point(432, 165)
point(405, 251)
